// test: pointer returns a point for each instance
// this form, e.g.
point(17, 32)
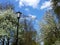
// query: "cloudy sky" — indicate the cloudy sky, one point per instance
point(34, 8)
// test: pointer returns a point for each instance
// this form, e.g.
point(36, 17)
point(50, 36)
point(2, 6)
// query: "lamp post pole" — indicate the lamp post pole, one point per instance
point(18, 17)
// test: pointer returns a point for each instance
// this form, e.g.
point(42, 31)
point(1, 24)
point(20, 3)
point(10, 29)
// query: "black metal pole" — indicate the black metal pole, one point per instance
point(18, 17)
point(17, 31)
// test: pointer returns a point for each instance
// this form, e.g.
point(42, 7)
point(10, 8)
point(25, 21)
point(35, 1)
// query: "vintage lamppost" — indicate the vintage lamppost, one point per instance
point(18, 17)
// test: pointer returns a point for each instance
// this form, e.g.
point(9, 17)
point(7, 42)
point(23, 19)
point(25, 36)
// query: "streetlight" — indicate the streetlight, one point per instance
point(18, 17)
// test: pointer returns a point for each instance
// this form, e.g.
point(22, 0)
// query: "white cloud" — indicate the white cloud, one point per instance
point(32, 16)
point(21, 4)
point(27, 9)
point(31, 3)
point(46, 4)
point(29, 16)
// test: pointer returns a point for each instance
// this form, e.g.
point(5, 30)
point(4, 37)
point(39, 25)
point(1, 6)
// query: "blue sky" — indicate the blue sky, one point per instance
point(34, 8)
